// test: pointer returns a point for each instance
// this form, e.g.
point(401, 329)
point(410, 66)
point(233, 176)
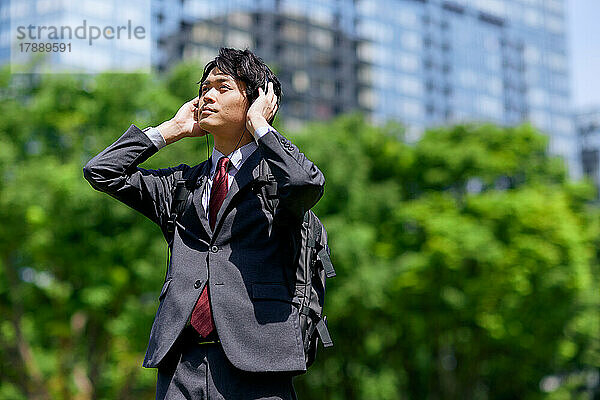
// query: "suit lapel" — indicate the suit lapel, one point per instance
point(247, 173)
point(198, 198)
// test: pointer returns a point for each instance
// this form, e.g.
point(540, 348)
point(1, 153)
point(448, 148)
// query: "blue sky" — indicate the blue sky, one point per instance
point(583, 21)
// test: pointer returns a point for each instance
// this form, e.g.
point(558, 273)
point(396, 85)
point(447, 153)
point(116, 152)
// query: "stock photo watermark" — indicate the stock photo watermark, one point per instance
point(81, 46)
point(84, 32)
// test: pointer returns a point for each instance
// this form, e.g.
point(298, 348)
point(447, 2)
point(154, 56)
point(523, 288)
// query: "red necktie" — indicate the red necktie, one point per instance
point(201, 316)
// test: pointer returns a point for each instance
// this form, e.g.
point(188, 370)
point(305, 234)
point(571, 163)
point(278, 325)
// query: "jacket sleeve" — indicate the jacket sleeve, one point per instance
point(115, 171)
point(300, 183)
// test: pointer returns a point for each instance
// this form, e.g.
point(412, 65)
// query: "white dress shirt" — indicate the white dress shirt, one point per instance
point(236, 158)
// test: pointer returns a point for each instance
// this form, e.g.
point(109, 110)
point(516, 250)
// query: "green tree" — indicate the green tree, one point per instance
point(79, 271)
point(466, 264)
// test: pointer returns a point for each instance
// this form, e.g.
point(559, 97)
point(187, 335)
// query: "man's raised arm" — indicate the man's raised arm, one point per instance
point(115, 170)
point(299, 182)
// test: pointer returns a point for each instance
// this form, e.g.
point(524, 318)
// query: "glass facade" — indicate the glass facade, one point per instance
point(421, 62)
point(588, 130)
point(441, 61)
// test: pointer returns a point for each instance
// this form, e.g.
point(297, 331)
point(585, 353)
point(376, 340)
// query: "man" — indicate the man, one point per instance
point(227, 325)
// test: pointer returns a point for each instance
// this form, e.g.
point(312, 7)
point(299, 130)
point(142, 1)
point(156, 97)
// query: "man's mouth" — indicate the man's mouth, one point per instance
point(207, 110)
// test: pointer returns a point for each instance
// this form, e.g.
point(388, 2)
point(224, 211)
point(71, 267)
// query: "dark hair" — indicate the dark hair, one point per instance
point(246, 67)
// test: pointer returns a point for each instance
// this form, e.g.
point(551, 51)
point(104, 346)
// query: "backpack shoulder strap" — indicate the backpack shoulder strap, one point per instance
point(267, 185)
point(181, 191)
point(319, 241)
point(266, 178)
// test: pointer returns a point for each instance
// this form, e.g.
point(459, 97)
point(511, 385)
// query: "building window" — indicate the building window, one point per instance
point(407, 62)
point(241, 20)
point(411, 108)
point(409, 85)
point(321, 39)
point(555, 25)
point(207, 34)
point(537, 97)
point(539, 119)
point(238, 39)
point(404, 17)
point(293, 32)
point(293, 56)
point(411, 40)
point(367, 52)
point(563, 125)
point(532, 17)
point(557, 62)
point(495, 7)
point(374, 31)
point(300, 81)
point(321, 15)
point(490, 107)
point(367, 99)
point(365, 75)
point(554, 5)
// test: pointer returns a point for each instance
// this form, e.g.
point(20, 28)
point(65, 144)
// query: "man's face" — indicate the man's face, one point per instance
point(223, 104)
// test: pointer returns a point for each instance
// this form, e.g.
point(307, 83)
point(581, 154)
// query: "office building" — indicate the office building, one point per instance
point(315, 62)
point(433, 62)
point(421, 62)
point(425, 62)
point(588, 131)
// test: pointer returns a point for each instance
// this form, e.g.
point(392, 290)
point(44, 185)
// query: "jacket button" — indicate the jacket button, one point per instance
point(197, 284)
point(214, 249)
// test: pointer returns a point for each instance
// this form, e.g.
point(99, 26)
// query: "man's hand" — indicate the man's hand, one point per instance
point(183, 124)
point(262, 110)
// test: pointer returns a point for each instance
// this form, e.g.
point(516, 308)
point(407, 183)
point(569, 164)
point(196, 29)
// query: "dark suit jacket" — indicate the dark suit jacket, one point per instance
point(248, 261)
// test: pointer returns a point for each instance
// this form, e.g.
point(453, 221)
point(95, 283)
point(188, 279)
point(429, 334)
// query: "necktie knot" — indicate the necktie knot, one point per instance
point(223, 164)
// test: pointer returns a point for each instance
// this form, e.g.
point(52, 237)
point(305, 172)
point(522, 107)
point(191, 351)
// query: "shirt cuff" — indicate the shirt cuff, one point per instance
point(262, 131)
point(156, 137)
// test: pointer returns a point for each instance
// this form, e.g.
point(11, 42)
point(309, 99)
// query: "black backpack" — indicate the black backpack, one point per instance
point(313, 264)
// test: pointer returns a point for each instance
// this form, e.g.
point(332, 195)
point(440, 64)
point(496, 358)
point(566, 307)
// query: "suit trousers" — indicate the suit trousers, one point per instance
point(195, 371)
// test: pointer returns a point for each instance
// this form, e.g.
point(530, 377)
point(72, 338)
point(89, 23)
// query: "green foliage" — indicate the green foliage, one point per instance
point(450, 156)
point(445, 288)
point(80, 272)
point(467, 262)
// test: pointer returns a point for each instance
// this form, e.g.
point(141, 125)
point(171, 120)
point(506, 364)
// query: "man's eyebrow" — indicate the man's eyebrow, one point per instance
point(208, 82)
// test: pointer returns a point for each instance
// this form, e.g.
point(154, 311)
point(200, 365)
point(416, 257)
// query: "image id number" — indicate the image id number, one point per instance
point(45, 47)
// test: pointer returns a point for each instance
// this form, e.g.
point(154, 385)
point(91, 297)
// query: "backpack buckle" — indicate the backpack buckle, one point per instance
point(171, 225)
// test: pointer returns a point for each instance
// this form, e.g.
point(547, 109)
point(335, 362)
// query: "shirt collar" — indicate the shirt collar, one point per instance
point(236, 158)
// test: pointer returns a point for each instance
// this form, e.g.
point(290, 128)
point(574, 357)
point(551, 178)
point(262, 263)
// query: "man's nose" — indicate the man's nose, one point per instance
point(210, 95)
